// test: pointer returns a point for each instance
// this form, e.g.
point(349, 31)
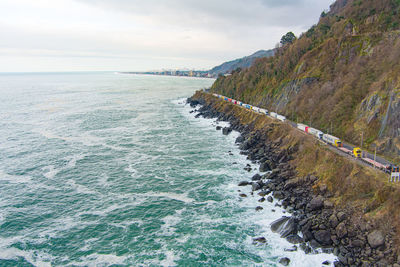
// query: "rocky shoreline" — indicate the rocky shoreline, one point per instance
point(315, 222)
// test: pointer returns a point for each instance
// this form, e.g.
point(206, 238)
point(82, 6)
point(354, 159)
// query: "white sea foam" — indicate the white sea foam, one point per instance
point(14, 179)
point(104, 211)
point(175, 196)
point(96, 259)
point(88, 244)
point(50, 171)
point(39, 259)
point(103, 179)
point(132, 170)
point(51, 135)
point(60, 225)
point(81, 189)
point(73, 159)
point(170, 221)
point(83, 138)
point(183, 239)
point(264, 218)
point(170, 259)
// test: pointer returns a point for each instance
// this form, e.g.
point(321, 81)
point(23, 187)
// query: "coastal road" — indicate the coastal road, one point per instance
point(348, 146)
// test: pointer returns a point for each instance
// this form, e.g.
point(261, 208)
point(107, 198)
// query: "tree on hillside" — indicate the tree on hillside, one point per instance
point(288, 38)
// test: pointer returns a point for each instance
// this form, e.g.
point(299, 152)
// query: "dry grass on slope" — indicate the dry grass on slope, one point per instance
point(363, 189)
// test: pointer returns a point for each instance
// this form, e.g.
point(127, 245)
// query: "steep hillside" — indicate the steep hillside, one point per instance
point(342, 74)
point(362, 198)
point(244, 62)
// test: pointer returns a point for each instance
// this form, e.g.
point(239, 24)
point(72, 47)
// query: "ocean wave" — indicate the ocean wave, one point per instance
point(35, 258)
point(74, 159)
point(96, 259)
point(180, 197)
point(15, 179)
point(80, 189)
point(50, 171)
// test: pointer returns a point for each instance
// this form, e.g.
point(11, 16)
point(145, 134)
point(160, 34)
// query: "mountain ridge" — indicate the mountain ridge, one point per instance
point(242, 63)
point(343, 72)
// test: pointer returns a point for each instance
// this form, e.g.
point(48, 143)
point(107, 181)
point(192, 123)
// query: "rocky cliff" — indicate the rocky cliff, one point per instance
point(343, 73)
point(335, 203)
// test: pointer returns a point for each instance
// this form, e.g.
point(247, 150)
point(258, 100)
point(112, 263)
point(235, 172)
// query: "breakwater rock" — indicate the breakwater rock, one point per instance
point(315, 221)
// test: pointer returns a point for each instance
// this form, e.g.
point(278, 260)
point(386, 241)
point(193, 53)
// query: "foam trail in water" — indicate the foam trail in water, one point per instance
point(175, 196)
point(15, 179)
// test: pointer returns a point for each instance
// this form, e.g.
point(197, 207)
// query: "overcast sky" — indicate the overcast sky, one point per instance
point(133, 35)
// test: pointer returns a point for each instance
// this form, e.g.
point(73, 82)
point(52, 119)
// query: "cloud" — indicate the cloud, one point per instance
point(173, 33)
point(205, 13)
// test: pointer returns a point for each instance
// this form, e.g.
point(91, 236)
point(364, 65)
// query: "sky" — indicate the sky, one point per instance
point(137, 35)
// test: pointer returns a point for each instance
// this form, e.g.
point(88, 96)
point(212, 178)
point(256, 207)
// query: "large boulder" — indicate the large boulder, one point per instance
point(275, 225)
point(323, 237)
point(255, 186)
point(226, 130)
point(290, 184)
point(316, 203)
point(333, 221)
point(264, 167)
point(341, 230)
point(289, 228)
point(240, 139)
point(260, 240)
point(284, 261)
point(376, 239)
point(278, 194)
point(291, 249)
point(285, 226)
point(245, 145)
point(256, 177)
point(294, 239)
point(243, 183)
point(357, 243)
point(341, 216)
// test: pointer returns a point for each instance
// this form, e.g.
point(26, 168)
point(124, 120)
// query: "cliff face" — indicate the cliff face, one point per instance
point(335, 201)
point(342, 73)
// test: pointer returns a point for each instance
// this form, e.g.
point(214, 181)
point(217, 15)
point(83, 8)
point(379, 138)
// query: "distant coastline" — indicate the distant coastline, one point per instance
point(180, 73)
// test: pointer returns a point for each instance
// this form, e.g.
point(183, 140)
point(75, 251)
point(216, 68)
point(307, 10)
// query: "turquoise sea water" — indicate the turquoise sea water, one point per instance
point(101, 169)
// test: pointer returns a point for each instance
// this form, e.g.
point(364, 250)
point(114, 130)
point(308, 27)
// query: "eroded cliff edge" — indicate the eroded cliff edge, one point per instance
point(334, 202)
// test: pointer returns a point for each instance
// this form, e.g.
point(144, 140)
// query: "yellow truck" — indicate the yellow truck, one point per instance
point(357, 152)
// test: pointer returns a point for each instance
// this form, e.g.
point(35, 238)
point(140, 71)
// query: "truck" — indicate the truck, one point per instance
point(302, 127)
point(315, 132)
point(281, 117)
point(355, 152)
point(332, 140)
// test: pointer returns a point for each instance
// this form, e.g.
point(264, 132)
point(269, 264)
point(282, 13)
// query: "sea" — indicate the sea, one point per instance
point(110, 169)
